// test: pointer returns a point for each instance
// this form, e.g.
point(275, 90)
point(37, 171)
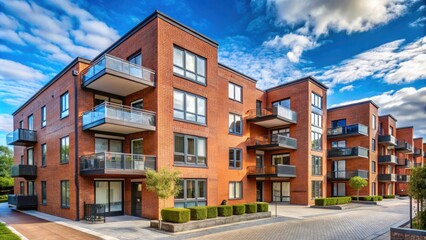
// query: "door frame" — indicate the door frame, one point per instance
point(262, 197)
point(133, 203)
point(281, 191)
point(116, 213)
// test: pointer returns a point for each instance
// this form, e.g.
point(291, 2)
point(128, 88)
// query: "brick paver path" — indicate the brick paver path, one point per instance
point(36, 228)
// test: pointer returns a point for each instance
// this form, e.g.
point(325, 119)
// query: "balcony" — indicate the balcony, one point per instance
point(345, 175)
point(115, 118)
point(109, 163)
point(271, 142)
point(345, 153)
point(114, 75)
point(279, 170)
point(404, 147)
point(388, 159)
point(23, 202)
point(405, 163)
point(22, 137)
point(418, 152)
point(387, 177)
point(387, 140)
point(402, 178)
point(275, 117)
point(29, 172)
point(346, 131)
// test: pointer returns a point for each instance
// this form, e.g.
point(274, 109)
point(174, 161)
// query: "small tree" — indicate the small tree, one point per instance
point(417, 190)
point(357, 183)
point(6, 162)
point(164, 183)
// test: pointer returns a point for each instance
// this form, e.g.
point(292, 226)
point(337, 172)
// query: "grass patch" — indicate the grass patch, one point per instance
point(6, 234)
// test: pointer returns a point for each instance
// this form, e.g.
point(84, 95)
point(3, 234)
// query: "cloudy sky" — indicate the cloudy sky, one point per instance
point(361, 49)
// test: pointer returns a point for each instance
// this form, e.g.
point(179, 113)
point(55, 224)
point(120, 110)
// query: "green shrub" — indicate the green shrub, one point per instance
point(332, 201)
point(388, 196)
point(239, 209)
point(380, 198)
point(3, 198)
point(212, 212)
point(224, 210)
point(251, 208)
point(262, 206)
point(198, 213)
point(176, 215)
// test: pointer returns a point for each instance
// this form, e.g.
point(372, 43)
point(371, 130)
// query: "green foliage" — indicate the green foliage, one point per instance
point(6, 234)
point(164, 182)
point(332, 201)
point(198, 213)
point(379, 198)
point(368, 198)
point(238, 209)
point(176, 215)
point(388, 196)
point(251, 208)
point(212, 212)
point(6, 162)
point(224, 210)
point(357, 183)
point(3, 198)
point(262, 206)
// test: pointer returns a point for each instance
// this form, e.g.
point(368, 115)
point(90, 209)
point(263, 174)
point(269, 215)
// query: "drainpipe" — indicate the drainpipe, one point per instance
point(77, 190)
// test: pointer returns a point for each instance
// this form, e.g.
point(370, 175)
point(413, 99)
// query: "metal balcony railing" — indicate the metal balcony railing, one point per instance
point(404, 146)
point(273, 139)
point(388, 159)
point(387, 177)
point(417, 152)
point(21, 136)
point(347, 174)
point(116, 161)
point(279, 170)
point(354, 129)
point(22, 202)
point(29, 172)
point(348, 152)
point(402, 178)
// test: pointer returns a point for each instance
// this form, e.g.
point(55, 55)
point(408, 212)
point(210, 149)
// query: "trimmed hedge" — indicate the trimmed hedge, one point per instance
point(368, 198)
point(224, 210)
point(332, 201)
point(239, 209)
point(198, 213)
point(212, 212)
point(176, 215)
point(262, 206)
point(388, 196)
point(251, 208)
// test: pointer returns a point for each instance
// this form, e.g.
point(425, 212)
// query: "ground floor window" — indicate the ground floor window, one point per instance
point(339, 189)
point(194, 193)
point(65, 194)
point(373, 189)
point(21, 187)
point(31, 188)
point(316, 189)
point(110, 193)
point(235, 190)
point(281, 191)
point(43, 193)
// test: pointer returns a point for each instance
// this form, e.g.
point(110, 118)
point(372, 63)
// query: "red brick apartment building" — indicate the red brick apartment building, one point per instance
point(157, 99)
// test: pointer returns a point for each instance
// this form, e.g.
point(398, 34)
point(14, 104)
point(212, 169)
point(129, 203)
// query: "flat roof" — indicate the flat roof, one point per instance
point(308, 78)
point(405, 127)
point(354, 104)
point(389, 115)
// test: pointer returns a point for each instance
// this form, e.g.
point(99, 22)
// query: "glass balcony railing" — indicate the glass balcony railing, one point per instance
point(116, 64)
point(272, 141)
point(279, 170)
point(286, 115)
point(418, 152)
point(99, 162)
point(347, 174)
point(21, 137)
point(388, 159)
point(353, 152)
point(388, 140)
point(23, 202)
point(29, 172)
point(387, 177)
point(404, 147)
point(355, 129)
point(402, 178)
point(404, 162)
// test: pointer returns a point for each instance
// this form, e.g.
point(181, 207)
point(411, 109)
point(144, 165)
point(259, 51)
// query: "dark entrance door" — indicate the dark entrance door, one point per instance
point(137, 199)
point(259, 191)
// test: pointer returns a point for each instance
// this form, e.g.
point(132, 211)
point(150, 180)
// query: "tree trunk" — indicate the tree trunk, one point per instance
point(357, 194)
point(161, 218)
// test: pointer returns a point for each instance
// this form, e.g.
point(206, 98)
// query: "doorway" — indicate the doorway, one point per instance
point(137, 199)
point(281, 191)
point(259, 161)
point(259, 191)
point(110, 193)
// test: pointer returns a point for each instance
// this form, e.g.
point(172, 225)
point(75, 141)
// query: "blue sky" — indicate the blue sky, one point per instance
point(361, 49)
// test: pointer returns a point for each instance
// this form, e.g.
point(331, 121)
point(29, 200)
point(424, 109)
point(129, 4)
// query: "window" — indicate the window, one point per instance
point(235, 124)
point(235, 158)
point(138, 104)
point(338, 144)
point(21, 187)
point(43, 155)
point(390, 130)
point(316, 189)
point(22, 160)
point(194, 193)
point(21, 124)
point(65, 149)
point(316, 100)
point(30, 156)
point(234, 92)
point(283, 132)
point(190, 150)
point(373, 166)
point(339, 189)
point(65, 194)
point(283, 103)
point(373, 144)
point(316, 120)
point(283, 159)
point(65, 105)
point(189, 107)
point(31, 122)
point(338, 123)
point(43, 116)
point(316, 141)
point(316, 165)
point(258, 108)
point(43, 193)
point(373, 122)
point(235, 190)
point(31, 188)
point(390, 169)
point(189, 65)
point(373, 188)
point(136, 59)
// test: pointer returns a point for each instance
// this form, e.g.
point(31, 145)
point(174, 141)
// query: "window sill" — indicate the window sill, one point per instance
point(63, 163)
point(43, 166)
point(231, 168)
point(64, 117)
point(234, 100)
point(189, 166)
point(232, 199)
point(316, 150)
point(235, 134)
point(189, 79)
point(65, 207)
point(190, 122)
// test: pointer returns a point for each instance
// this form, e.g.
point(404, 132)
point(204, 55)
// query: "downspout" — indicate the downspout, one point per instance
point(77, 190)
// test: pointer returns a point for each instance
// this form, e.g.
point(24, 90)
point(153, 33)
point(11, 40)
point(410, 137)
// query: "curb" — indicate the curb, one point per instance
point(14, 231)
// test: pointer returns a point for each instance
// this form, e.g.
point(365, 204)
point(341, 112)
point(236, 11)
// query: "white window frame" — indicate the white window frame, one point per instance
point(232, 92)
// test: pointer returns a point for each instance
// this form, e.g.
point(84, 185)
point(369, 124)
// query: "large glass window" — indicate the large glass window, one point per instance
point(43, 116)
point(136, 59)
point(31, 122)
point(43, 193)
point(338, 123)
point(235, 124)
point(31, 188)
point(65, 194)
point(194, 193)
point(21, 187)
point(189, 107)
point(235, 158)
point(30, 156)
point(316, 139)
point(189, 65)
point(316, 120)
point(234, 92)
point(43, 154)
point(316, 189)
point(235, 190)
point(338, 144)
point(65, 149)
point(316, 100)
point(283, 159)
point(190, 150)
point(339, 189)
point(283, 103)
point(65, 105)
point(316, 165)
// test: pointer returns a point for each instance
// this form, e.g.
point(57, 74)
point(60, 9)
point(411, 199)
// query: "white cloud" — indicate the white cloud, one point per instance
point(419, 22)
point(294, 42)
point(347, 88)
point(4, 48)
point(8, 22)
point(6, 121)
point(407, 105)
point(321, 16)
point(11, 36)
